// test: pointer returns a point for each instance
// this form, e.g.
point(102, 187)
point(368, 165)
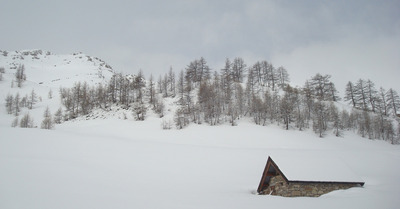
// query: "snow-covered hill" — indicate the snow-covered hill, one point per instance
point(113, 162)
point(47, 72)
point(52, 70)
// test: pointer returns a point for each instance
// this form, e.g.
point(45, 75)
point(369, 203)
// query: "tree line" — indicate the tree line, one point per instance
point(15, 103)
point(364, 95)
point(260, 91)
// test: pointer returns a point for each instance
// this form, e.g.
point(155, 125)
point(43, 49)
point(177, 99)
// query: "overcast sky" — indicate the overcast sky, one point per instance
point(347, 39)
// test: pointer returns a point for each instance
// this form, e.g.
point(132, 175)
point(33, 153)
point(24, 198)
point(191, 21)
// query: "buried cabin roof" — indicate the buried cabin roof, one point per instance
point(310, 169)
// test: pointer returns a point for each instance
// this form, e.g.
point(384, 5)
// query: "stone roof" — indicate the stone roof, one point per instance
point(308, 168)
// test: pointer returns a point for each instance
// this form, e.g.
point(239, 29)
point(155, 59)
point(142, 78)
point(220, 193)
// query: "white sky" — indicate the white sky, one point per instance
point(346, 39)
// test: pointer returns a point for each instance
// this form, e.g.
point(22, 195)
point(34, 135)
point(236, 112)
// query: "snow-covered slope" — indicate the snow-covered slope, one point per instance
point(109, 162)
point(47, 72)
point(47, 69)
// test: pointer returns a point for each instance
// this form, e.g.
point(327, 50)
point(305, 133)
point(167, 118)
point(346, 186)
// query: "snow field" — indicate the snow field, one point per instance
point(125, 164)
